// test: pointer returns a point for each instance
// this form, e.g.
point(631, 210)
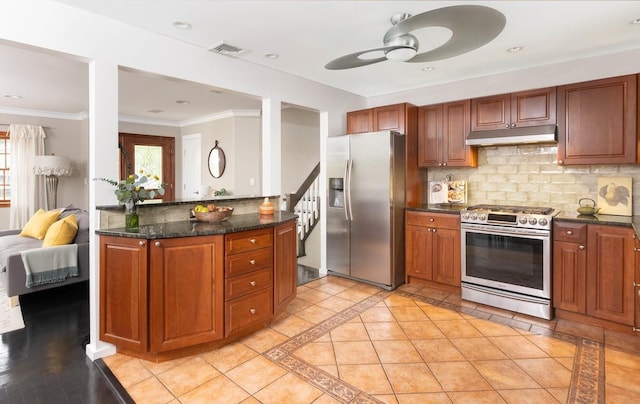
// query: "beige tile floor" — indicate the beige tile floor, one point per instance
point(343, 341)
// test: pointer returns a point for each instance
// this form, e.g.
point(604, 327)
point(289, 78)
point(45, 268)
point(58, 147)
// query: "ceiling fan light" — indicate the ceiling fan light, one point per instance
point(401, 54)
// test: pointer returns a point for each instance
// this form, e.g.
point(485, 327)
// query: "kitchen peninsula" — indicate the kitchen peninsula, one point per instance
point(177, 286)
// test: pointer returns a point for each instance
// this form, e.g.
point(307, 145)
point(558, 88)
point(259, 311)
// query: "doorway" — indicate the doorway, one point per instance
point(152, 154)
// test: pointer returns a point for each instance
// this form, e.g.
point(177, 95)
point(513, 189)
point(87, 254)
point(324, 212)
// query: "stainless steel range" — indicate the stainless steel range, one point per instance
point(506, 257)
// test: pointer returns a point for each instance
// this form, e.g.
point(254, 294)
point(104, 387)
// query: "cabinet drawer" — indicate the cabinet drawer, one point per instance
point(248, 240)
point(247, 310)
point(248, 262)
point(440, 220)
point(570, 232)
point(248, 283)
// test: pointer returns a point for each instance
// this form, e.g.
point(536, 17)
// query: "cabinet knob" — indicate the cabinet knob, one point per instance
point(440, 164)
point(569, 232)
point(513, 125)
point(581, 247)
point(637, 284)
point(157, 244)
point(506, 126)
point(434, 230)
point(252, 241)
point(252, 283)
point(429, 229)
point(252, 262)
point(560, 161)
point(431, 219)
point(141, 243)
point(252, 311)
point(636, 249)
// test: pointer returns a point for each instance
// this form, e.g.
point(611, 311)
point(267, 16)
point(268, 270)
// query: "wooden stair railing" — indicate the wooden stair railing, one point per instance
point(305, 203)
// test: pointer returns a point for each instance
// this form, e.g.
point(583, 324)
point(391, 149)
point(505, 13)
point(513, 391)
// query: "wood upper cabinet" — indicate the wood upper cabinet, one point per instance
point(285, 266)
point(522, 109)
point(442, 131)
point(389, 117)
point(597, 122)
point(432, 247)
point(610, 273)
point(186, 291)
point(570, 266)
point(123, 292)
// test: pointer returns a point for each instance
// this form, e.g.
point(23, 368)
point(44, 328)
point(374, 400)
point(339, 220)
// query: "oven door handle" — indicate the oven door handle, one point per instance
point(494, 230)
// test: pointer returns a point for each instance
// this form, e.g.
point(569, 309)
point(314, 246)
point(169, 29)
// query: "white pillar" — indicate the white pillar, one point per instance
point(271, 147)
point(103, 163)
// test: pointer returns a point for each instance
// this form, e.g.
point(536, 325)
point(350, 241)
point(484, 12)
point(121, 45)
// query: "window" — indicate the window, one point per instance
point(5, 177)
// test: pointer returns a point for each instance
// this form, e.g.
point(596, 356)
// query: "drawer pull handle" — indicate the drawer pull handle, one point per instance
point(636, 249)
point(252, 311)
point(252, 283)
point(581, 247)
point(569, 232)
point(636, 284)
point(252, 262)
point(252, 241)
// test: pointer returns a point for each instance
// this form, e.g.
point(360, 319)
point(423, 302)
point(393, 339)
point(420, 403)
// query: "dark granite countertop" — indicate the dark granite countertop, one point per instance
point(611, 220)
point(192, 228)
point(453, 209)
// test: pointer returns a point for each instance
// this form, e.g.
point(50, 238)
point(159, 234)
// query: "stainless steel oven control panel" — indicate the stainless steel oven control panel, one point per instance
point(509, 216)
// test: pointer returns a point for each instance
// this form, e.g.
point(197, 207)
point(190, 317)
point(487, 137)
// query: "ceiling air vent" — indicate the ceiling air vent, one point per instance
point(226, 50)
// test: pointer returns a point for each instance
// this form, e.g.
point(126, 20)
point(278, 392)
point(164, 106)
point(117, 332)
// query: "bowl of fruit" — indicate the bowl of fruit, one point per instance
point(211, 213)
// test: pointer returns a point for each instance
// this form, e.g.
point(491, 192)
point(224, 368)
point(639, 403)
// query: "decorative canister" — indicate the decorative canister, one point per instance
point(266, 208)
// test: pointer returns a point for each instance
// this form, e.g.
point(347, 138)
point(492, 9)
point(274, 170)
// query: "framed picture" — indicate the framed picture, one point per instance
point(615, 196)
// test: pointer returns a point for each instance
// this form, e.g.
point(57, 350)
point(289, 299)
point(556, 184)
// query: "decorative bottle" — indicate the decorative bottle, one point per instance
point(266, 208)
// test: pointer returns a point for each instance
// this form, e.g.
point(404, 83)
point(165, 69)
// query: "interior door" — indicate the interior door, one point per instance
point(191, 166)
point(153, 154)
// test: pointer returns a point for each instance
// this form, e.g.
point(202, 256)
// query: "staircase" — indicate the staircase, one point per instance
point(305, 203)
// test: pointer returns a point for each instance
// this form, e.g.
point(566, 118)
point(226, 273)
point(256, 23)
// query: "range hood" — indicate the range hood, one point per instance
point(531, 134)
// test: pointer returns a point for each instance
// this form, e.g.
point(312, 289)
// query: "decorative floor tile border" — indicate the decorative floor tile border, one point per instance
point(587, 382)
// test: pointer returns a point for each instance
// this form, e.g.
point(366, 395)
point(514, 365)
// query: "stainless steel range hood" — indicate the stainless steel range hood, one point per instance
point(531, 134)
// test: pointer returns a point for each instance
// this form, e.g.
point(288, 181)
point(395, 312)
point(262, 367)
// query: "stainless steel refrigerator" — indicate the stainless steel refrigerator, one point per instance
point(365, 207)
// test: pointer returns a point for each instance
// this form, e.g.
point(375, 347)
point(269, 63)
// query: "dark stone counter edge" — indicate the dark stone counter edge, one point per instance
point(191, 201)
point(609, 220)
point(193, 228)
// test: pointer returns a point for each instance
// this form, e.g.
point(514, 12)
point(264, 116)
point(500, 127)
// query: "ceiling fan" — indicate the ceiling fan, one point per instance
point(472, 26)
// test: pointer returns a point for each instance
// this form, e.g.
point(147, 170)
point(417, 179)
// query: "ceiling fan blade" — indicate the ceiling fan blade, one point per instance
point(472, 26)
point(352, 60)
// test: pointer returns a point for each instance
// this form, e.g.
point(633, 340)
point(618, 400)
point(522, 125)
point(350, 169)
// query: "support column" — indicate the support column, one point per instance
point(271, 147)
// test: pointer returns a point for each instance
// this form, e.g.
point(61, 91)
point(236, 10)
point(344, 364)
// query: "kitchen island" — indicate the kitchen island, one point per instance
point(171, 289)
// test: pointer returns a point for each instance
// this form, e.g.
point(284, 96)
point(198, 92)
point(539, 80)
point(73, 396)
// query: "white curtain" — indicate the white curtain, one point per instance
point(27, 191)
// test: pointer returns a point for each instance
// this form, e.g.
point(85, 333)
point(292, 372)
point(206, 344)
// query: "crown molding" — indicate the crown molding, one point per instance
point(80, 116)
point(194, 121)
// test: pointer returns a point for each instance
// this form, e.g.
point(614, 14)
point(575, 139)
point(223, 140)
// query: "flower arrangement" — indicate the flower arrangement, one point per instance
point(132, 191)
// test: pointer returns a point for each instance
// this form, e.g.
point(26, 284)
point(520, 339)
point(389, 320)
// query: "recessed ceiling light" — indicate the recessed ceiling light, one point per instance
point(13, 96)
point(155, 111)
point(271, 55)
point(183, 102)
point(428, 69)
point(181, 25)
point(636, 21)
point(514, 49)
point(215, 91)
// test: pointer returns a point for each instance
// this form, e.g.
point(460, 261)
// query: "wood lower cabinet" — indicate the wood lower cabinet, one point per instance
point(593, 271)
point(515, 110)
point(124, 307)
point(185, 277)
point(160, 298)
point(636, 283)
point(597, 122)
point(442, 131)
point(432, 247)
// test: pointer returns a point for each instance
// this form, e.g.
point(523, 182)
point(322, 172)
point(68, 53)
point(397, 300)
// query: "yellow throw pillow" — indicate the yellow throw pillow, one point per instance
point(39, 223)
point(61, 232)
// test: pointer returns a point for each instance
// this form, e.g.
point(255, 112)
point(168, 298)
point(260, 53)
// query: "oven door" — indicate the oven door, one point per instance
point(511, 259)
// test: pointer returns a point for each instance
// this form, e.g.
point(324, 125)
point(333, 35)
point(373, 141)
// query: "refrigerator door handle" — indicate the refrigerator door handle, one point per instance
point(347, 205)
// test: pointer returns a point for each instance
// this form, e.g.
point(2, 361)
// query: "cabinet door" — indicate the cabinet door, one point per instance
point(430, 136)
point(123, 292)
point(285, 266)
point(597, 122)
point(446, 256)
point(186, 294)
point(390, 117)
point(534, 107)
point(360, 121)
point(490, 113)
point(456, 117)
point(418, 252)
point(610, 273)
point(569, 276)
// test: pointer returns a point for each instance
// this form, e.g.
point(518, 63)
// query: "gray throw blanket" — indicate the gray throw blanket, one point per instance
point(50, 264)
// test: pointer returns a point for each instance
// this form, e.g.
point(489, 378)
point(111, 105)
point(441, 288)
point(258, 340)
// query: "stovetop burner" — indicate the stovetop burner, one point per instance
point(530, 217)
point(529, 210)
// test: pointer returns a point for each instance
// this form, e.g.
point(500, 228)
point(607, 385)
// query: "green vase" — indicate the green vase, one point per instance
point(131, 218)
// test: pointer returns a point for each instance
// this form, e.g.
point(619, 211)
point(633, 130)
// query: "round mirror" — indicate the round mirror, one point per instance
point(217, 161)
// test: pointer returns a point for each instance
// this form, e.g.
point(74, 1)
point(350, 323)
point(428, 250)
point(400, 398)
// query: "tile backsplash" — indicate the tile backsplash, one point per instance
point(530, 175)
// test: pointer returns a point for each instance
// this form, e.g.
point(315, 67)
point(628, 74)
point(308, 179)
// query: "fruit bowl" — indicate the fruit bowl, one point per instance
point(218, 215)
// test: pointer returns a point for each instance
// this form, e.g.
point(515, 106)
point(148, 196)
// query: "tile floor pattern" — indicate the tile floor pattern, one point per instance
point(343, 341)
